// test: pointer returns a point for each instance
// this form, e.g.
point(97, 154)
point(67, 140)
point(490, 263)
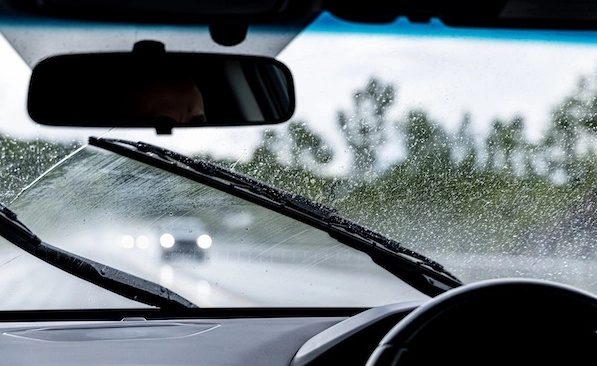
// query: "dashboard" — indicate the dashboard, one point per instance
point(511, 321)
point(251, 339)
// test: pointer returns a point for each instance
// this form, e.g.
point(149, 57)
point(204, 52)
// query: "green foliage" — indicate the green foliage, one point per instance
point(23, 161)
point(504, 140)
point(307, 142)
point(427, 146)
point(299, 175)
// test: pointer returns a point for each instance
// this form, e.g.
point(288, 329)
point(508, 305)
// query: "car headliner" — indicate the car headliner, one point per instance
point(572, 14)
point(38, 41)
point(201, 20)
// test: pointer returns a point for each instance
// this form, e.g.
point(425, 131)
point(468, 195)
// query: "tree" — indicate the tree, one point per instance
point(464, 148)
point(365, 128)
point(572, 120)
point(24, 161)
point(427, 145)
point(307, 146)
point(506, 146)
point(264, 155)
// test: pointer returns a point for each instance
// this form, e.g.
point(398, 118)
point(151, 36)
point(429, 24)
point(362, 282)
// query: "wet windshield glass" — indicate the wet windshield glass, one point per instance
point(473, 147)
point(214, 249)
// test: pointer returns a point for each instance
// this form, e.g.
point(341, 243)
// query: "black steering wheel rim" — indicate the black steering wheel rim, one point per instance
point(506, 320)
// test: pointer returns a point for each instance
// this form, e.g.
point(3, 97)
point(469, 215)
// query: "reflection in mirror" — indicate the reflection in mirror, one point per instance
point(149, 88)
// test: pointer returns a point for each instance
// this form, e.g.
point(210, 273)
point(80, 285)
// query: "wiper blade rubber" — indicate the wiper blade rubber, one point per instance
point(424, 274)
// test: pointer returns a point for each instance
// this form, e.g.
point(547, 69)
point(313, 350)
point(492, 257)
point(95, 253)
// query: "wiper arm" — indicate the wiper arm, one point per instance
point(112, 279)
point(415, 269)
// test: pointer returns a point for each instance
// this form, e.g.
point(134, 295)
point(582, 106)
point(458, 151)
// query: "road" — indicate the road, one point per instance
point(257, 277)
point(227, 278)
point(578, 272)
point(237, 278)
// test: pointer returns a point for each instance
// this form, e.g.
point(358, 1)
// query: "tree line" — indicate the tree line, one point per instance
point(510, 184)
point(560, 156)
point(435, 174)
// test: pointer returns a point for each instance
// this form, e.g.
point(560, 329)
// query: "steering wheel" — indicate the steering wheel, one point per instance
point(513, 321)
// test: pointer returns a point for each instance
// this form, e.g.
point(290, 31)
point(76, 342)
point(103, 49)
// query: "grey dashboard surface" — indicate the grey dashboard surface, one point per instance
point(255, 341)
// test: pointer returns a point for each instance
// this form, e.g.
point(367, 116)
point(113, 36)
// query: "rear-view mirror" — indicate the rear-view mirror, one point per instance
point(153, 88)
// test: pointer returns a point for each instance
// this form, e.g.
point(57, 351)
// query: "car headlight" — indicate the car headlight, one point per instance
point(167, 240)
point(127, 241)
point(143, 242)
point(204, 241)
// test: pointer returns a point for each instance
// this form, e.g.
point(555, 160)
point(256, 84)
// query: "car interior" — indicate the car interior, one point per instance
point(513, 321)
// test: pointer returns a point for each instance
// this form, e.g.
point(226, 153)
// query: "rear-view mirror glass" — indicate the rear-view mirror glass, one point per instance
point(160, 89)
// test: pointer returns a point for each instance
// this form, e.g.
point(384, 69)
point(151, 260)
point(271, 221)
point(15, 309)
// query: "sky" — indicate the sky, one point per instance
point(447, 77)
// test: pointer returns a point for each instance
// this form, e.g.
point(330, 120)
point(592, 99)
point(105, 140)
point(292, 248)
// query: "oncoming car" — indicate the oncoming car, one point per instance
point(182, 235)
point(298, 182)
point(176, 236)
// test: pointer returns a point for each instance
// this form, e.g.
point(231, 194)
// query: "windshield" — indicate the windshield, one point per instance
point(212, 248)
point(475, 148)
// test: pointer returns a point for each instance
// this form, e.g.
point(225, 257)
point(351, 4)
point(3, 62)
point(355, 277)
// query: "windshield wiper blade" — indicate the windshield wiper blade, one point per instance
point(413, 268)
point(112, 279)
